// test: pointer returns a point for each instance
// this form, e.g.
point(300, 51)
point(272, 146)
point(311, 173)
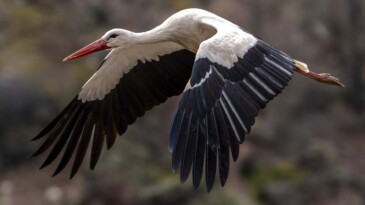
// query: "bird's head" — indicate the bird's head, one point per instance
point(111, 39)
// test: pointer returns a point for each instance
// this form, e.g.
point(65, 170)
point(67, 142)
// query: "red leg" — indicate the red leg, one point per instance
point(320, 77)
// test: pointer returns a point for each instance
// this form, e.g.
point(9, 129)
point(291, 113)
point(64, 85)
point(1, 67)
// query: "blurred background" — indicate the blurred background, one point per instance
point(307, 146)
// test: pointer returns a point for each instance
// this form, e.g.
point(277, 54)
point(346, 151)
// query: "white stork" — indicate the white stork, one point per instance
point(225, 75)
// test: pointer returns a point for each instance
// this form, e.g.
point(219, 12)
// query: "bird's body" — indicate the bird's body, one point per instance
point(183, 30)
point(226, 76)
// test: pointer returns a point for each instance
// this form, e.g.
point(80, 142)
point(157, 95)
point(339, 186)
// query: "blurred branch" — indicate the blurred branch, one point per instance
point(355, 58)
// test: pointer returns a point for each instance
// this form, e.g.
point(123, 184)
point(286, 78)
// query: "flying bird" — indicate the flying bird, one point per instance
point(224, 74)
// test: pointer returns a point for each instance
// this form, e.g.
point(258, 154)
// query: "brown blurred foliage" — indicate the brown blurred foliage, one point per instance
point(305, 148)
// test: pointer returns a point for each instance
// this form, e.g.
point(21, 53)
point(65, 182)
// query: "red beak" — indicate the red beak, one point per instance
point(95, 46)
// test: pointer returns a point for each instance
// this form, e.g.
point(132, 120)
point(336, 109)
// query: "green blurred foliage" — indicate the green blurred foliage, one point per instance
point(279, 171)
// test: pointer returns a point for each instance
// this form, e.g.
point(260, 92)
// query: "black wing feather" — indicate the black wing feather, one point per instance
point(63, 138)
point(211, 155)
point(74, 139)
point(102, 120)
point(83, 144)
point(179, 130)
point(225, 101)
point(198, 162)
point(188, 150)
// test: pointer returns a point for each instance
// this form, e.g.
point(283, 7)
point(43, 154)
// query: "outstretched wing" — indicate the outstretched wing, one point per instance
point(127, 84)
point(230, 83)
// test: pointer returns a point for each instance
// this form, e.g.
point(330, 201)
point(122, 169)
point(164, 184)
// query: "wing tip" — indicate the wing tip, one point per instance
point(37, 137)
point(45, 164)
point(74, 171)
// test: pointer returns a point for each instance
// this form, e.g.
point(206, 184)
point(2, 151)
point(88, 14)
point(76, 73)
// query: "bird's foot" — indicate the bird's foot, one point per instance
point(326, 78)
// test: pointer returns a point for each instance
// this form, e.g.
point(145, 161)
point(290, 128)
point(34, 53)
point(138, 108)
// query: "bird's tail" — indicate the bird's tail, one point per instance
point(326, 78)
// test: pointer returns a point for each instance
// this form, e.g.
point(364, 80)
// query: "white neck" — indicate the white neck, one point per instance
point(156, 35)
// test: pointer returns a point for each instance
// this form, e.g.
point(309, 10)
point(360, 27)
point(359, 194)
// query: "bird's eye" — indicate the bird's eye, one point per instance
point(113, 35)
